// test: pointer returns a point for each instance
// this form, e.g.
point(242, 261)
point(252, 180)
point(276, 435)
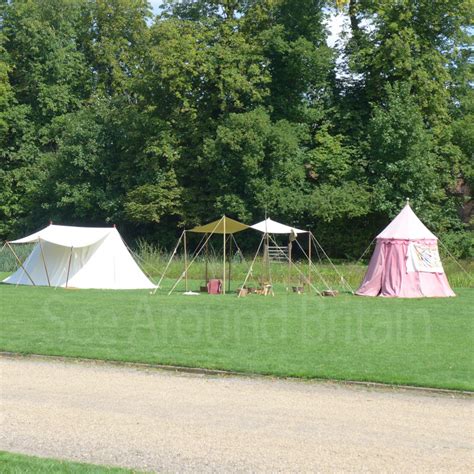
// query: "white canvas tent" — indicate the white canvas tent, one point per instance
point(78, 257)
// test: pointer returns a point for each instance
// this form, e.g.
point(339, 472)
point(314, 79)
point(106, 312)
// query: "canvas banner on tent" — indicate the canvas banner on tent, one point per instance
point(423, 258)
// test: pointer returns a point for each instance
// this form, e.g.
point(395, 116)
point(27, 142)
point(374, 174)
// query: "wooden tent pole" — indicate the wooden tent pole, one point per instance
point(21, 265)
point(290, 246)
point(267, 256)
point(168, 264)
point(309, 257)
point(297, 269)
point(44, 262)
point(230, 261)
point(69, 267)
point(207, 261)
point(250, 270)
point(343, 280)
point(224, 246)
point(195, 255)
point(185, 263)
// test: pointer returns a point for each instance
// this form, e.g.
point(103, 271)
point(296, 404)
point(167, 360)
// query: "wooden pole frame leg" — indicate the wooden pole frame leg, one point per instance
point(69, 267)
point(224, 257)
point(290, 245)
point(309, 257)
point(194, 256)
point(250, 270)
point(230, 262)
point(44, 262)
point(206, 257)
point(185, 263)
point(20, 263)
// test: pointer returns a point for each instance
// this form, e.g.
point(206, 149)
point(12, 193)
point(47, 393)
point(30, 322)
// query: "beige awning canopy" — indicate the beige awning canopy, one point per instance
point(224, 225)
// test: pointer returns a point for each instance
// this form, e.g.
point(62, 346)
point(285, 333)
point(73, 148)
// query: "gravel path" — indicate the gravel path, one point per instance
point(162, 421)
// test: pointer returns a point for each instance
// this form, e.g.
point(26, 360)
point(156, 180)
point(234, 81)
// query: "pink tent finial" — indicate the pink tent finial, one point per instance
point(408, 201)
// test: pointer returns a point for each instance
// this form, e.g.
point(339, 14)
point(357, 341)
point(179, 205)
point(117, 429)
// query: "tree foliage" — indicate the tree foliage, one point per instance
point(109, 114)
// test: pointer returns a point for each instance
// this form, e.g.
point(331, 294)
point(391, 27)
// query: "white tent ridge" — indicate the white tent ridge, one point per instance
point(269, 226)
point(79, 257)
point(67, 236)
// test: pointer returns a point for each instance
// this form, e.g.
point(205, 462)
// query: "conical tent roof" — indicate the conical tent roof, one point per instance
point(272, 227)
point(224, 225)
point(406, 226)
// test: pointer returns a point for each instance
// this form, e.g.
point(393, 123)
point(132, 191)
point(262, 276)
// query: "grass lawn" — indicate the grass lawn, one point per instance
point(12, 463)
point(426, 342)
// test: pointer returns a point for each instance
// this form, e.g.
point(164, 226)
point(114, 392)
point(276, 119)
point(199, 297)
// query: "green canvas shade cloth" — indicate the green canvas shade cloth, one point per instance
point(224, 225)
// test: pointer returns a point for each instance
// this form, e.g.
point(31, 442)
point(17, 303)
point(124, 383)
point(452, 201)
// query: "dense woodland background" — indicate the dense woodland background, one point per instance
point(109, 114)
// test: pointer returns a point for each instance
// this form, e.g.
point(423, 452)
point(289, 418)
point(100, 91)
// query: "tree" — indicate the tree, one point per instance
point(113, 38)
point(235, 106)
point(253, 165)
point(404, 161)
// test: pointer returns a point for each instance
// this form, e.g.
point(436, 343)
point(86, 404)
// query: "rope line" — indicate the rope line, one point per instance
point(252, 264)
point(169, 262)
point(457, 263)
point(365, 251)
point(343, 280)
point(318, 273)
point(138, 257)
point(305, 277)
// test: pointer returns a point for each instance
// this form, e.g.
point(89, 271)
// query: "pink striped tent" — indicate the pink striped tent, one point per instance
point(405, 262)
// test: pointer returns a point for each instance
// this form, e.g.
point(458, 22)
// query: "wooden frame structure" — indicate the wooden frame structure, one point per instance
point(268, 237)
point(224, 226)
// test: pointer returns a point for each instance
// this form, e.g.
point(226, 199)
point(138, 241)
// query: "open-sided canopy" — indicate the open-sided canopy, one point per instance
point(268, 226)
point(406, 226)
point(67, 236)
point(224, 225)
